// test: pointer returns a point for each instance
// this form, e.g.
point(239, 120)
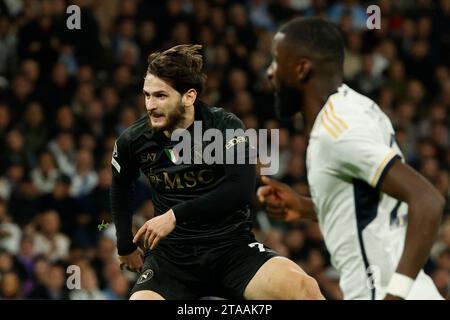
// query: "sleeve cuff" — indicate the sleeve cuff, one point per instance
point(181, 212)
point(382, 164)
point(386, 169)
point(126, 250)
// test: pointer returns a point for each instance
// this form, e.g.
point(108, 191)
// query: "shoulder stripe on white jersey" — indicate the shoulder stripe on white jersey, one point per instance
point(327, 128)
point(339, 119)
point(332, 122)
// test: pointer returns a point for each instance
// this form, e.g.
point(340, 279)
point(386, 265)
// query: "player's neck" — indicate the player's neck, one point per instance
point(311, 110)
point(316, 97)
point(184, 123)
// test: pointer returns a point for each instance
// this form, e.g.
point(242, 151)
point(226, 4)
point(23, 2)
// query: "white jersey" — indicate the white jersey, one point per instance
point(352, 145)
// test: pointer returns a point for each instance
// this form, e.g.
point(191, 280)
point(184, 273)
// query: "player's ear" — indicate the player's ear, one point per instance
point(189, 97)
point(303, 70)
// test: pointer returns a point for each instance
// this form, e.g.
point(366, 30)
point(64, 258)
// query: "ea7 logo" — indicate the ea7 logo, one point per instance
point(148, 157)
point(374, 19)
point(74, 20)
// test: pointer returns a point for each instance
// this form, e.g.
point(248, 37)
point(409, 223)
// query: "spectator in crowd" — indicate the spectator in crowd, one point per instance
point(10, 232)
point(49, 241)
point(44, 176)
point(89, 287)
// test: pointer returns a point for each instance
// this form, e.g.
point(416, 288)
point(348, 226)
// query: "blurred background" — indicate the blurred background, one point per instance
point(65, 96)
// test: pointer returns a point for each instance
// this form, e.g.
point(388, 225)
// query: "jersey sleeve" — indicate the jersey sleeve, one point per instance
point(124, 172)
point(361, 153)
point(124, 167)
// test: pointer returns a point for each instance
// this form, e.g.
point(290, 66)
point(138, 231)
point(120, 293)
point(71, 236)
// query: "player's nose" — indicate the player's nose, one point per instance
point(151, 106)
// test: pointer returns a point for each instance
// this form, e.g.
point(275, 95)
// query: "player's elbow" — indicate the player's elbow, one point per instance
point(243, 192)
point(439, 205)
point(431, 203)
point(241, 181)
point(440, 202)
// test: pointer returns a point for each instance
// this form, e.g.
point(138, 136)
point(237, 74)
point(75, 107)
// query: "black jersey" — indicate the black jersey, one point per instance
point(210, 202)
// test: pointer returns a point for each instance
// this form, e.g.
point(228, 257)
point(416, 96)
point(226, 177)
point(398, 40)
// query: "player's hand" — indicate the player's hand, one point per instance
point(156, 229)
point(132, 262)
point(280, 200)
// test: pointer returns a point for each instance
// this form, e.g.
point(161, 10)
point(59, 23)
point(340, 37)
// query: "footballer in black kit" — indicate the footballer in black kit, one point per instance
point(208, 252)
point(199, 243)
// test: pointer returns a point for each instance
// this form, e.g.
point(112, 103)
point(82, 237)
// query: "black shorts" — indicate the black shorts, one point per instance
point(179, 272)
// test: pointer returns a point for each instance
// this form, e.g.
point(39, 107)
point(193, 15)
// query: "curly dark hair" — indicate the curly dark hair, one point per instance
point(181, 66)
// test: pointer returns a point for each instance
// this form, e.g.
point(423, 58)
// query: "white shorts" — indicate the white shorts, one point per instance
point(422, 289)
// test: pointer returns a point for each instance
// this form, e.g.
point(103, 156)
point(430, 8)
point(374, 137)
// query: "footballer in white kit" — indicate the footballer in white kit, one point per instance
point(351, 146)
point(379, 217)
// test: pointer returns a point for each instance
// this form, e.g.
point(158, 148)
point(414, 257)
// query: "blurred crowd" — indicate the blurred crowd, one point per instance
point(65, 96)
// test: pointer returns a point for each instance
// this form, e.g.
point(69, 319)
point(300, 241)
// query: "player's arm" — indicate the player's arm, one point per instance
point(234, 193)
point(124, 173)
point(425, 207)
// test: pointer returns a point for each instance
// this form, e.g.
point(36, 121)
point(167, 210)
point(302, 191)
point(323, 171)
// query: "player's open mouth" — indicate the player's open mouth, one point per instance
point(157, 119)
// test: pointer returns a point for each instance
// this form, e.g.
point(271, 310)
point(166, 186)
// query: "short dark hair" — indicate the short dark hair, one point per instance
point(181, 66)
point(318, 38)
